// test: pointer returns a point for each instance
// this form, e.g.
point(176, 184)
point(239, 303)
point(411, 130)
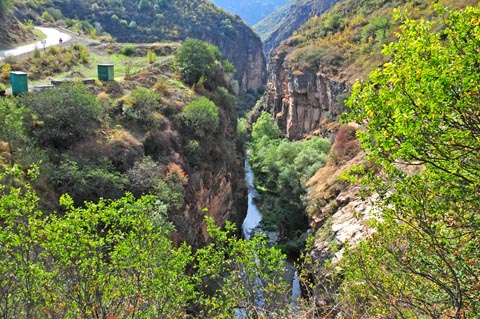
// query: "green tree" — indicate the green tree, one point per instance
point(421, 118)
point(22, 274)
point(196, 59)
point(62, 116)
point(114, 259)
point(281, 170)
point(241, 274)
point(200, 117)
point(11, 127)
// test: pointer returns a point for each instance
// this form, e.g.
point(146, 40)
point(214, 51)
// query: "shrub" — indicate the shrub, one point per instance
point(54, 13)
point(82, 52)
point(36, 53)
point(196, 59)
point(128, 49)
point(61, 116)
point(46, 16)
point(152, 56)
point(200, 117)
point(6, 69)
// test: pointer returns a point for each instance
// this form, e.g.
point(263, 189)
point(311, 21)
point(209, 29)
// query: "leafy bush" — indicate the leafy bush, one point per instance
point(88, 182)
point(151, 56)
point(196, 59)
point(6, 69)
point(128, 49)
point(54, 13)
point(61, 116)
point(144, 108)
point(200, 117)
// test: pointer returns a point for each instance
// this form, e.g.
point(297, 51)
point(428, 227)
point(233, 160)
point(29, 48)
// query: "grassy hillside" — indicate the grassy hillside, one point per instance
point(348, 39)
point(284, 21)
point(12, 32)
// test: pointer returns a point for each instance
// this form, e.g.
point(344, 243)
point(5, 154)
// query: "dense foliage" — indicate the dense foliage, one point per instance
point(59, 119)
point(198, 60)
point(281, 170)
point(115, 259)
point(421, 118)
point(201, 117)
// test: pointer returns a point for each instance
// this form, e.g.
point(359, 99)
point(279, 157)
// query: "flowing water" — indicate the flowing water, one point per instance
point(252, 222)
point(253, 218)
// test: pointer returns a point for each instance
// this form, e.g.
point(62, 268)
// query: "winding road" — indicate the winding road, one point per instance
point(53, 38)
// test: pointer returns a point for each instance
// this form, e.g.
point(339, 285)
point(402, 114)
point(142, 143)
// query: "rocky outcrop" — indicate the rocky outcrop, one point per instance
point(217, 195)
point(281, 24)
point(339, 215)
point(244, 50)
point(303, 99)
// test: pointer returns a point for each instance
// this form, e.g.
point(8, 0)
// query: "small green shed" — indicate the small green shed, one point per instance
point(105, 72)
point(19, 81)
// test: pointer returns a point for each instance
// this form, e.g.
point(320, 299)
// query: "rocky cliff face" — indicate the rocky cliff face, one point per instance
point(217, 195)
point(339, 215)
point(244, 50)
point(303, 99)
point(281, 24)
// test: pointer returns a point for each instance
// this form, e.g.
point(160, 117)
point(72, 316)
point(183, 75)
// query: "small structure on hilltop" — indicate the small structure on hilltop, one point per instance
point(19, 81)
point(105, 72)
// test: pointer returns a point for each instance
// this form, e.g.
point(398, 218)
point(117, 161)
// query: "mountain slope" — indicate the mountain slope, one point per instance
point(152, 21)
point(283, 22)
point(12, 32)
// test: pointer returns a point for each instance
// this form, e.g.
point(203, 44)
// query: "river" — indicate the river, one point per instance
point(252, 221)
point(253, 218)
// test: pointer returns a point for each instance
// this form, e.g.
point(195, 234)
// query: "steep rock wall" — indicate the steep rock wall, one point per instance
point(303, 99)
point(244, 50)
point(217, 195)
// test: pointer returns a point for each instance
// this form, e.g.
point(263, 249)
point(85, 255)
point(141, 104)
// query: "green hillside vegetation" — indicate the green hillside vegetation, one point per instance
point(137, 21)
point(93, 185)
point(91, 140)
point(265, 27)
point(347, 40)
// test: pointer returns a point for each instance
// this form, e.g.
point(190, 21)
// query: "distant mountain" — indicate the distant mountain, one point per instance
point(251, 11)
point(281, 24)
